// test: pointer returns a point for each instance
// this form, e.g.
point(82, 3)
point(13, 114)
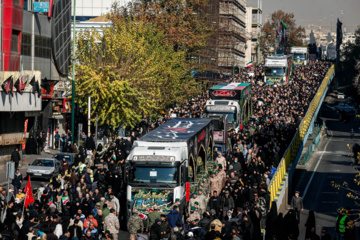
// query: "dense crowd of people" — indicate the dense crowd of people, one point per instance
point(89, 201)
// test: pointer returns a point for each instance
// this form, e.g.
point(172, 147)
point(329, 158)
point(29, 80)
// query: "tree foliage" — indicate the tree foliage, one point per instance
point(183, 22)
point(349, 59)
point(294, 33)
point(130, 73)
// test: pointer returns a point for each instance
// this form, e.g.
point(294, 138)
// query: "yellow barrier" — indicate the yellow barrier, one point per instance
point(294, 147)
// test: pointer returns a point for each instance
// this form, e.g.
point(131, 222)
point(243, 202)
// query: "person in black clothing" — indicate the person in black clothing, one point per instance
point(17, 181)
point(39, 141)
point(90, 143)
point(214, 202)
point(155, 230)
point(75, 230)
point(31, 146)
point(205, 222)
point(15, 157)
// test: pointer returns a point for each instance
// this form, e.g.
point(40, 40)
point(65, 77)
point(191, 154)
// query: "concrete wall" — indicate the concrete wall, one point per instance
point(5, 155)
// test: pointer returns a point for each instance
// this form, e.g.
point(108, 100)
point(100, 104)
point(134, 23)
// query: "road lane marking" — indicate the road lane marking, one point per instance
point(314, 171)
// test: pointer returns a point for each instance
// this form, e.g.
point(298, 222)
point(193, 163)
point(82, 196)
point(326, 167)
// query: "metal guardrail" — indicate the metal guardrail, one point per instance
point(291, 152)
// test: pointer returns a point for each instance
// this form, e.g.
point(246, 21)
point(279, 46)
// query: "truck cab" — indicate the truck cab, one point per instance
point(232, 100)
point(300, 55)
point(278, 69)
point(165, 161)
point(224, 108)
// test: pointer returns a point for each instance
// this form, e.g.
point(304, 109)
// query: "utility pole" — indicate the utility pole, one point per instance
point(89, 116)
point(73, 80)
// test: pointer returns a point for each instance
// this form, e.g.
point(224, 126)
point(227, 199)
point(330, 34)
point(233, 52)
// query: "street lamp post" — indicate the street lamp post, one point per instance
point(73, 80)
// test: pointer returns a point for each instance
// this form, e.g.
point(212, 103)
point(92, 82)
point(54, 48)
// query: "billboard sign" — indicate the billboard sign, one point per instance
point(41, 7)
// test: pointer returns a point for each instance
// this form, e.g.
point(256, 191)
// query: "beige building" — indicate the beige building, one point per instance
point(255, 18)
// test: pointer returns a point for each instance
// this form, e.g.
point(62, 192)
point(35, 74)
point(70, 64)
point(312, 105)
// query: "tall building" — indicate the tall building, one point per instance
point(35, 58)
point(88, 9)
point(232, 35)
point(255, 7)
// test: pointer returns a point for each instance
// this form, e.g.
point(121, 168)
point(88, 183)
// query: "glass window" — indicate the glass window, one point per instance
point(15, 41)
point(231, 115)
point(274, 71)
point(146, 174)
point(42, 47)
point(43, 163)
point(299, 55)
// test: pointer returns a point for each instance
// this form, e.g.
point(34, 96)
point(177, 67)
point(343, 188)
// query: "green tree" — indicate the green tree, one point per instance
point(183, 22)
point(295, 34)
point(132, 72)
point(349, 61)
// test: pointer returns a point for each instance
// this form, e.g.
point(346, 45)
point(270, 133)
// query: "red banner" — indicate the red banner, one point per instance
point(29, 198)
point(25, 130)
point(187, 189)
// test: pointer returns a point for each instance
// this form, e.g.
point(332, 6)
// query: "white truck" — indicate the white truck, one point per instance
point(164, 162)
point(300, 55)
point(278, 69)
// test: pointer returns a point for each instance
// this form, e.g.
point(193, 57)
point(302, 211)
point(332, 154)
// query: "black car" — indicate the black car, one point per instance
point(70, 157)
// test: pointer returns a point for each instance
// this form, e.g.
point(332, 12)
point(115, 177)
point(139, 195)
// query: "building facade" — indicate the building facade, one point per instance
point(255, 7)
point(36, 51)
point(232, 35)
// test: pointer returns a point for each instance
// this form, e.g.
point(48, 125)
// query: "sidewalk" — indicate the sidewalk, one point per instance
point(26, 160)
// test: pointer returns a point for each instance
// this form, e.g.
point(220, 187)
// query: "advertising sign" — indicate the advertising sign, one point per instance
point(41, 7)
point(218, 136)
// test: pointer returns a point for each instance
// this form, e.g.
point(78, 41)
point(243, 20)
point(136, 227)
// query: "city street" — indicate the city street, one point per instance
point(26, 160)
point(331, 163)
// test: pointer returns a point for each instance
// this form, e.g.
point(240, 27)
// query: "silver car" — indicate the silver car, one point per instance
point(44, 168)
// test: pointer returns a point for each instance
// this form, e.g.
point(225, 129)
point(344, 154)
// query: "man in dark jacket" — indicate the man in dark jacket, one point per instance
point(15, 157)
point(165, 227)
point(155, 230)
point(214, 202)
point(88, 178)
point(17, 181)
point(205, 222)
point(297, 204)
point(75, 230)
point(174, 218)
point(226, 203)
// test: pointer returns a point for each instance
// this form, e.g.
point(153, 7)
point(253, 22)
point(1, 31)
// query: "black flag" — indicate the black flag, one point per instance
point(35, 86)
point(20, 86)
point(339, 34)
point(7, 85)
point(46, 85)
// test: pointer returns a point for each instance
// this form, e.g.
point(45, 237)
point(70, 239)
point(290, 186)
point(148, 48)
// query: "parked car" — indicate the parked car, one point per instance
point(44, 168)
point(70, 157)
point(341, 95)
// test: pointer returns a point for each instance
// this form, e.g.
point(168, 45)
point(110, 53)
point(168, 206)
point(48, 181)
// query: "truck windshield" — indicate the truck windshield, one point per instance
point(299, 55)
point(231, 115)
point(158, 175)
point(274, 71)
point(218, 125)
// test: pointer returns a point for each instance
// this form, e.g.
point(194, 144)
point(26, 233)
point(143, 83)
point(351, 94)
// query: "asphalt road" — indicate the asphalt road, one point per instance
point(330, 164)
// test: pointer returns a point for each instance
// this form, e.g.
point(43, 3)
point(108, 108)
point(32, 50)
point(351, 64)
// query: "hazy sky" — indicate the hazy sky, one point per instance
point(318, 12)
